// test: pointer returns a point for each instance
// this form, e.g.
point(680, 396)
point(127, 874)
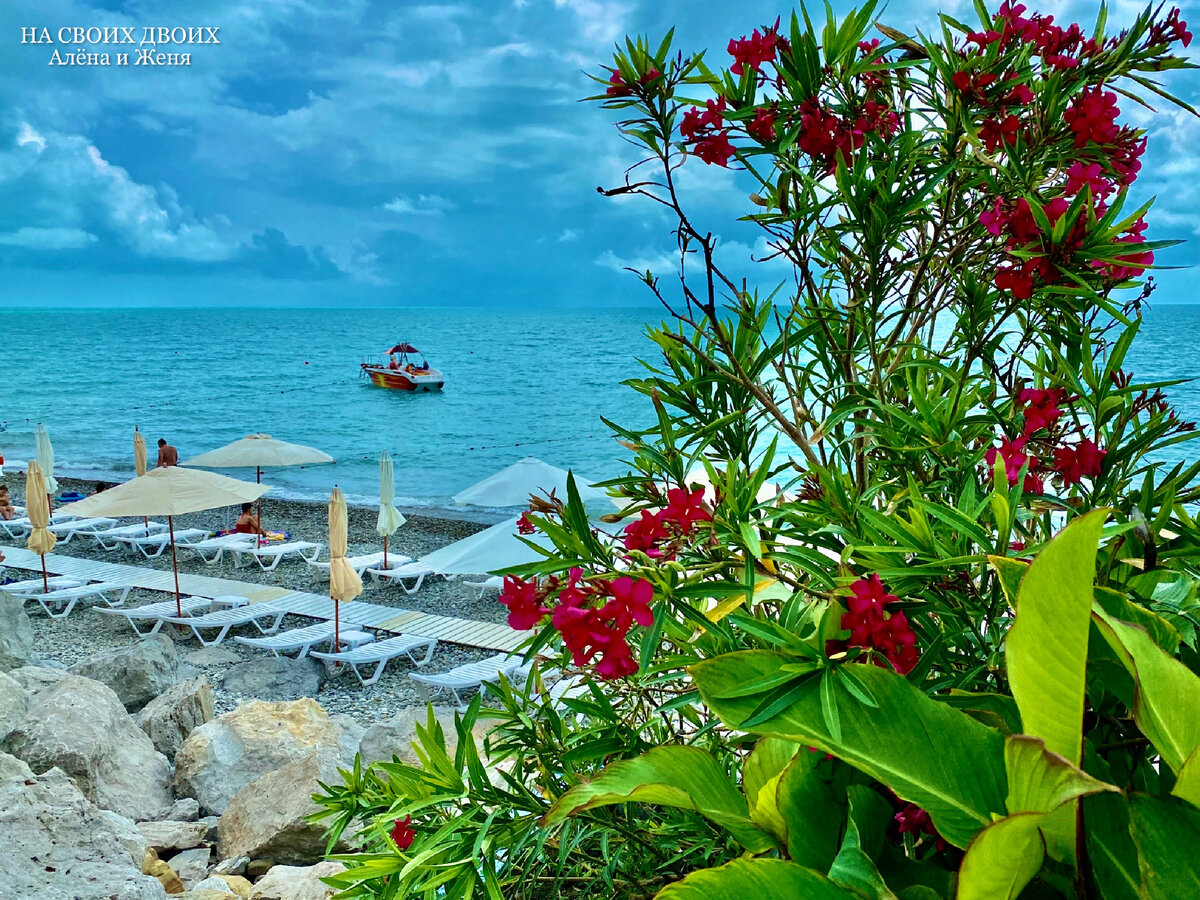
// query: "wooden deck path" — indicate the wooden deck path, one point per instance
point(470, 632)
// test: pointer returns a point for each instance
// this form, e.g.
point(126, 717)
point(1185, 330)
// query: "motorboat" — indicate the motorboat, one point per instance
point(405, 369)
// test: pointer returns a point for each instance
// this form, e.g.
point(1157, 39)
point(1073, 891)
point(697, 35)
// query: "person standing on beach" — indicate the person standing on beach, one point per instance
point(167, 455)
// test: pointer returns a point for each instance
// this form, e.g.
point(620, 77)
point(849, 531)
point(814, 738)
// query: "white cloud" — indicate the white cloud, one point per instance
point(568, 234)
point(659, 264)
point(48, 238)
point(28, 135)
point(424, 205)
point(602, 22)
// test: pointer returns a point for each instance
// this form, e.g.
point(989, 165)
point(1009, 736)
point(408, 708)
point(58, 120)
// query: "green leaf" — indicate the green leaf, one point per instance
point(854, 866)
point(1046, 649)
point(682, 777)
point(1187, 785)
point(1042, 781)
point(812, 811)
point(925, 751)
point(995, 710)
point(1166, 833)
point(1111, 851)
point(761, 773)
point(1166, 692)
point(1002, 859)
point(762, 879)
point(1010, 572)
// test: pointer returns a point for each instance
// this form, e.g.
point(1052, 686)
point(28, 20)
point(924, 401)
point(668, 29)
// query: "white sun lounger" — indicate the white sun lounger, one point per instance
point(275, 553)
point(416, 571)
point(301, 639)
point(225, 619)
point(152, 545)
point(381, 652)
point(466, 677)
point(495, 583)
point(19, 528)
point(219, 546)
point(111, 539)
point(157, 612)
point(36, 585)
point(360, 564)
point(67, 530)
point(64, 600)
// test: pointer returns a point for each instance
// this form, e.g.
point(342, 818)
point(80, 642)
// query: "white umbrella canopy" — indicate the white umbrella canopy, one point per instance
point(513, 485)
point(698, 477)
point(498, 547)
point(45, 457)
point(390, 518)
point(258, 451)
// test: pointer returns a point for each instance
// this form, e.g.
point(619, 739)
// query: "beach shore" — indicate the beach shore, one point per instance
point(85, 632)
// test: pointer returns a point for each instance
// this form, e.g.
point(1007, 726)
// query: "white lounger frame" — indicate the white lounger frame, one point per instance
point(382, 652)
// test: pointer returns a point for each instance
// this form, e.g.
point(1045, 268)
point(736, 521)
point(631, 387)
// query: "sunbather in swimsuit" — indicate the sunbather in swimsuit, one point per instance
point(7, 512)
point(247, 522)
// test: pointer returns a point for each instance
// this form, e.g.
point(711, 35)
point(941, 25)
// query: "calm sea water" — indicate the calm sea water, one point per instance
point(517, 384)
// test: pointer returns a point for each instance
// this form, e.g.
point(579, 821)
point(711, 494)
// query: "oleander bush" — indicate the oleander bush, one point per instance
point(902, 598)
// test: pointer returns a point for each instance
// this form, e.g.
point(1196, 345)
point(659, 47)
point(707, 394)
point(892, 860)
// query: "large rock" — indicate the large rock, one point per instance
point(275, 678)
point(268, 816)
point(191, 866)
point(394, 736)
point(16, 634)
point(350, 735)
point(170, 717)
point(14, 703)
point(293, 883)
point(138, 673)
point(80, 726)
point(36, 679)
point(168, 836)
point(59, 846)
point(223, 756)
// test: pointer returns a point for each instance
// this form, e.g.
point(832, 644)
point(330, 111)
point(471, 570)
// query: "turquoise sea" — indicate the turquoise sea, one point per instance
point(531, 383)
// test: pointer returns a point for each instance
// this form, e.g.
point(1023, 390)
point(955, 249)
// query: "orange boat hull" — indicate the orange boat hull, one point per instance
point(401, 381)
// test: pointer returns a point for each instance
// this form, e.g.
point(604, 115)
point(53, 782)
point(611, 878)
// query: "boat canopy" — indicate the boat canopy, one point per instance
point(404, 348)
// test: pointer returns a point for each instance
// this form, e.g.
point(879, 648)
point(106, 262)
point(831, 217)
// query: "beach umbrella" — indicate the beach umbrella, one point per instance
point(259, 451)
point(139, 460)
point(169, 492)
point(390, 518)
point(344, 583)
point(45, 457)
point(495, 548)
point(37, 503)
point(512, 486)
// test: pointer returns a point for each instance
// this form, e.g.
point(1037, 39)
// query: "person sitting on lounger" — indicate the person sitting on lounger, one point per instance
point(167, 455)
point(7, 512)
point(247, 522)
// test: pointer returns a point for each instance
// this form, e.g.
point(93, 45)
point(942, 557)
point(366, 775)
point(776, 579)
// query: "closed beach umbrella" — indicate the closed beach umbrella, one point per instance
point(45, 458)
point(169, 492)
point(390, 518)
point(139, 460)
point(498, 547)
point(258, 452)
point(37, 507)
point(344, 583)
point(512, 486)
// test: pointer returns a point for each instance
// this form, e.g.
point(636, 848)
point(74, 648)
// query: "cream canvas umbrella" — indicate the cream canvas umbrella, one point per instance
point(512, 486)
point(258, 452)
point(169, 492)
point(37, 503)
point(390, 518)
point(45, 457)
point(344, 583)
point(487, 551)
point(139, 460)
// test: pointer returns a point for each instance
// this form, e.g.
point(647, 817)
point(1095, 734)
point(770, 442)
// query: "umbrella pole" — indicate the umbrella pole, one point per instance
point(175, 566)
point(45, 580)
point(258, 480)
point(385, 537)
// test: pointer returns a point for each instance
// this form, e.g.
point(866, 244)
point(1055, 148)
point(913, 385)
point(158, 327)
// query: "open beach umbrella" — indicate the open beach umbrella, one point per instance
point(37, 508)
point(169, 492)
point(258, 451)
point(390, 518)
point(495, 548)
point(45, 457)
point(512, 486)
point(344, 583)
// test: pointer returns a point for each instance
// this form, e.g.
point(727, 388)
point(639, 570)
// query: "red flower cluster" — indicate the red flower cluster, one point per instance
point(763, 125)
point(825, 136)
point(1171, 28)
point(1041, 410)
point(1081, 461)
point(915, 821)
point(524, 525)
point(870, 626)
point(655, 534)
point(755, 51)
point(1093, 117)
point(1041, 407)
point(402, 834)
point(1015, 458)
point(703, 127)
point(618, 88)
point(589, 631)
point(1134, 264)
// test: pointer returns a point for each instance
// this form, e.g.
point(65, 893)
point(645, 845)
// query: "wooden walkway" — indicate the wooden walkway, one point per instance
point(469, 632)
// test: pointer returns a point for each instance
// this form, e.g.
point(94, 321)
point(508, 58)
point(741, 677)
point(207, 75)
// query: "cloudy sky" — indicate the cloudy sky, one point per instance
point(364, 152)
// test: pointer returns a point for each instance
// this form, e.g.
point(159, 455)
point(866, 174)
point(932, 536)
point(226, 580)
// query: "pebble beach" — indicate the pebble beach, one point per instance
point(85, 632)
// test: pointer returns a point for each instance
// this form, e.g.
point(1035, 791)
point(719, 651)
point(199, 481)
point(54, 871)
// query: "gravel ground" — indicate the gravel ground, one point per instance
point(86, 632)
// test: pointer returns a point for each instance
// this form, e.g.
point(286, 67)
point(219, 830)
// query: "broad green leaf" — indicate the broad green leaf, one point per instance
point(1010, 572)
point(1167, 833)
point(1002, 859)
point(682, 777)
point(1111, 851)
point(1042, 781)
point(1166, 692)
point(1046, 649)
point(760, 780)
point(854, 866)
point(1187, 785)
point(812, 811)
point(925, 751)
point(760, 879)
point(995, 710)
point(1118, 606)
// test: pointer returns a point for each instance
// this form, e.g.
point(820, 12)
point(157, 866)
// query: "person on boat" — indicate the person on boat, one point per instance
point(392, 364)
point(167, 455)
point(7, 511)
point(247, 522)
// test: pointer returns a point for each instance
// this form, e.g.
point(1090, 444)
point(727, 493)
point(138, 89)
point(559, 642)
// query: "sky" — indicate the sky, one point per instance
point(362, 152)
